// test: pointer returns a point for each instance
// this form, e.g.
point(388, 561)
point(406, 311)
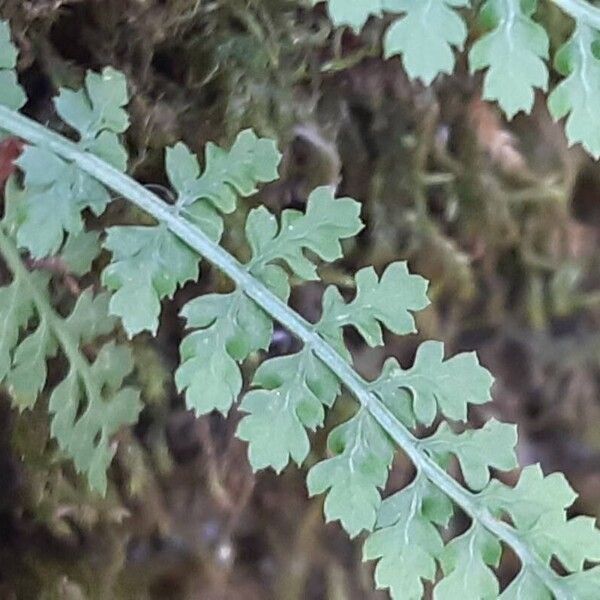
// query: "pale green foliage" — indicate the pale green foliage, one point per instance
point(477, 450)
point(433, 383)
point(407, 542)
point(295, 390)
point(227, 174)
point(355, 474)
point(89, 404)
point(388, 300)
point(466, 563)
point(11, 93)
point(320, 229)
point(513, 53)
point(55, 194)
point(577, 96)
point(231, 327)
point(56, 191)
point(354, 14)
point(97, 114)
point(537, 508)
point(426, 36)
point(98, 387)
point(289, 394)
point(148, 263)
point(80, 251)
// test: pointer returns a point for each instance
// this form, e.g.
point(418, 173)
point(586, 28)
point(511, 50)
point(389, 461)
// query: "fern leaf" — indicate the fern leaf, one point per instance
point(27, 377)
point(466, 563)
point(433, 383)
point(584, 585)
point(526, 586)
point(229, 328)
point(537, 507)
point(294, 391)
point(80, 250)
point(354, 476)
point(513, 53)
point(534, 495)
point(148, 263)
point(577, 96)
point(227, 174)
point(425, 36)
point(11, 93)
point(89, 404)
point(16, 309)
point(97, 114)
point(108, 406)
point(290, 394)
point(407, 543)
point(55, 193)
point(477, 450)
point(389, 300)
point(320, 229)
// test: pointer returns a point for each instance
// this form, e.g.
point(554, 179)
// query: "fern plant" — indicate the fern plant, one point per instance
point(406, 533)
point(513, 52)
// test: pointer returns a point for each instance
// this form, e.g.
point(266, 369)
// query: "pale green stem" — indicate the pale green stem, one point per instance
point(46, 313)
point(126, 187)
point(581, 11)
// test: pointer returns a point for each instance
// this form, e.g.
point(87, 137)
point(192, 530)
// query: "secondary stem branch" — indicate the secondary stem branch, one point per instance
point(128, 188)
point(581, 11)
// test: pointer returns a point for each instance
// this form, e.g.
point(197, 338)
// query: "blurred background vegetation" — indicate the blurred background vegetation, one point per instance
point(503, 219)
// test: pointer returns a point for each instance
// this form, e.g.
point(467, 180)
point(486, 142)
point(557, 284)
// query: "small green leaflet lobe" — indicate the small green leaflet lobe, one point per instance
point(406, 541)
point(388, 300)
point(572, 541)
point(533, 496)
point(295, 388)
point(425, 36)
point(585, 585)
point(477, 450)
point(229, 328)
point(326, 222)
point(16, 309)
point(466, 563)
point(27, 376)
point(362, 455)
point(148, 264)
point(55, 193)
point(86, 438)
point(227, 174)
point(11, 93)
point(97, 114)
point(537, 507)
point(577, 96)
point(513, 53)
point(450, 385)
point(526, 586)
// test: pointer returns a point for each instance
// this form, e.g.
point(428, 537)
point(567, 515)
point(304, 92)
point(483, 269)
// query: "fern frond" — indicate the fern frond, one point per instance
point(89, 404)
point(290, 394)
